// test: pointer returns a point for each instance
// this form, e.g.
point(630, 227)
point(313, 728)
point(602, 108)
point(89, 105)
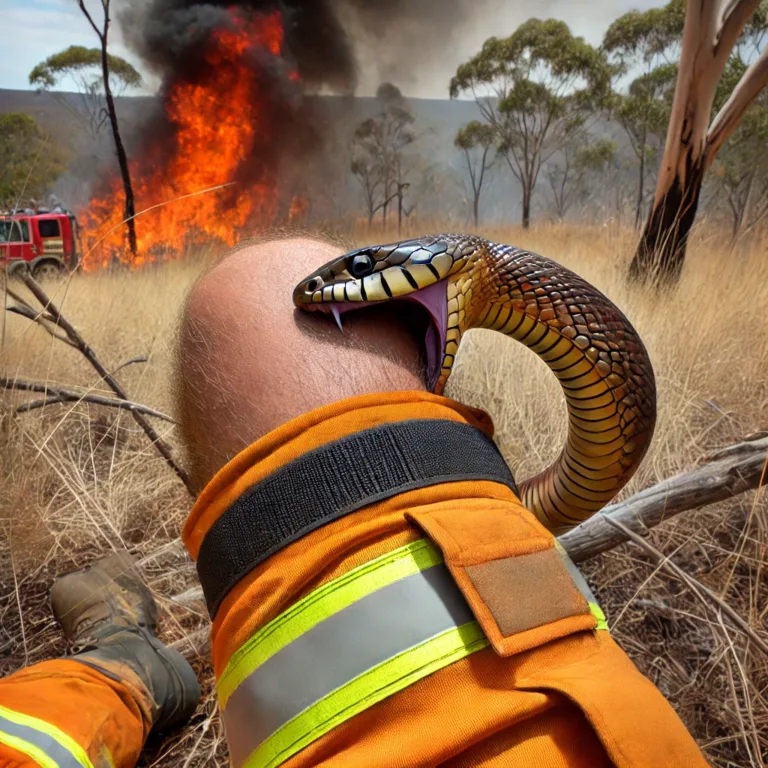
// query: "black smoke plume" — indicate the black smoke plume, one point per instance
point(323, 38)
point(322, 41)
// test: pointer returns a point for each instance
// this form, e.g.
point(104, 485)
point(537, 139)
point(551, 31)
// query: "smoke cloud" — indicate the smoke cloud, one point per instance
point(235, 76)
point(328, 41)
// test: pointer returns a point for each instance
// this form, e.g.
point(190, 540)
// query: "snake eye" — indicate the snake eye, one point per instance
point(313, 284)
point(360, 265)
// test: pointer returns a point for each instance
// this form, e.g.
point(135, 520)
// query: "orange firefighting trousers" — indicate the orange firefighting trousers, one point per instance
point(562, 694)
point(64, 714)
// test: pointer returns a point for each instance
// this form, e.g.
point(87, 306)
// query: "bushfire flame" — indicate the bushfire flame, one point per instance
point(217, 127)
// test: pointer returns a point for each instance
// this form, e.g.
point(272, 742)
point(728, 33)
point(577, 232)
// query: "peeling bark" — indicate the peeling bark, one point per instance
point(710, 32)
point(661, 250)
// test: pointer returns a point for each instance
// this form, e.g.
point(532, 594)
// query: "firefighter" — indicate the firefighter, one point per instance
point(379, 596)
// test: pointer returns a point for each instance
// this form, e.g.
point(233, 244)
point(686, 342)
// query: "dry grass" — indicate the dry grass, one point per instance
point(79, 481)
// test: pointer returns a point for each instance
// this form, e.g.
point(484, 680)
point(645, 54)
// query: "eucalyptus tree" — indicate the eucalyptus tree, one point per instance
point(378, 159)
point(575, 171)
point(82, 68)
point(647, 43)
point(476, 140)
point(536, 89)
point(77, 61)
point(713, 32)
point(30, 161)
point(741, 166)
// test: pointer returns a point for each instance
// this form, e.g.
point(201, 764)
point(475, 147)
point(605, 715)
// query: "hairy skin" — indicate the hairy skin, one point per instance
point(248, 361)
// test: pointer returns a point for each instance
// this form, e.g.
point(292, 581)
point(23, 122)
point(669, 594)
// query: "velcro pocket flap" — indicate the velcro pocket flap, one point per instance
point(508, 569)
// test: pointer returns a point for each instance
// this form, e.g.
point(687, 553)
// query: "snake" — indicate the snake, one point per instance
point(466, 282)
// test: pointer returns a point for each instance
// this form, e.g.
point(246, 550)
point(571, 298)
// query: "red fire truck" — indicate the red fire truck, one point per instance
point(41, 241)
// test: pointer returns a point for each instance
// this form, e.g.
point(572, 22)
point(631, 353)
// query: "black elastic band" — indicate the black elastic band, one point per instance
point(334, 480)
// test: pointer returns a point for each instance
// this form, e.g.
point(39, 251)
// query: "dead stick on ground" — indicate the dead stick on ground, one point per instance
point(42, 321)
point(58, 395)
point(132, 361)
point(726, 473)
point(163, 448)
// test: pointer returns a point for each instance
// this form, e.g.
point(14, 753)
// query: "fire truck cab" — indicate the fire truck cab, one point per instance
point(41, 241)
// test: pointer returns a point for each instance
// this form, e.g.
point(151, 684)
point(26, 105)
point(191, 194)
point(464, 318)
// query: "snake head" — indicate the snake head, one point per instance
point(419, 271)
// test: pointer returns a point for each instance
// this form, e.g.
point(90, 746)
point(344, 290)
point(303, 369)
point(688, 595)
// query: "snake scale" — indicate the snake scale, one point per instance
point(467, 282)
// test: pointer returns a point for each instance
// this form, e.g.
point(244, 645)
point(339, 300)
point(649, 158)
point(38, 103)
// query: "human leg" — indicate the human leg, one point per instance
point(97, 708)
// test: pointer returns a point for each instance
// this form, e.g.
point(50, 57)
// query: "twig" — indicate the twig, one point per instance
point(57, 395)
point(18, 297)
point(163, 448)
point(132, 361)
point(691, 582)
point(41, 320)
point(725, 473)
point(192, 595)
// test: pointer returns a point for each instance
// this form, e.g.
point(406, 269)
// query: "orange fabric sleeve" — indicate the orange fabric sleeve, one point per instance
point(100, 714)
point(573, 701)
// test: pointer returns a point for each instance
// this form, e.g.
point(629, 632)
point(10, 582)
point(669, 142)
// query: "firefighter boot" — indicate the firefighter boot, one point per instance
point(110, 619)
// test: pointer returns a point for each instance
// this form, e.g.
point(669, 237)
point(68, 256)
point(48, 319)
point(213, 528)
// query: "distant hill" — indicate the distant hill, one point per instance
point(439, 182)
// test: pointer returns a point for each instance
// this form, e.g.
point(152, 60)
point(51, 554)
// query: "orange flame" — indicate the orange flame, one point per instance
point(215, 132)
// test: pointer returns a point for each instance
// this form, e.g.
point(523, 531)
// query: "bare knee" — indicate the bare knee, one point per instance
point(248, 361)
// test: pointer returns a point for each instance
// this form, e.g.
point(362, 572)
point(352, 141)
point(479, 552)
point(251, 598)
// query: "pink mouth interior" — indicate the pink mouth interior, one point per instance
point(433, 298)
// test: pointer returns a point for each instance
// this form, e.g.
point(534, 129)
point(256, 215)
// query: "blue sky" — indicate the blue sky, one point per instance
point(32, 30)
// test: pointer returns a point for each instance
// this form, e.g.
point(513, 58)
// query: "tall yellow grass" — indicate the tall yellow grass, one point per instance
point(77, 481)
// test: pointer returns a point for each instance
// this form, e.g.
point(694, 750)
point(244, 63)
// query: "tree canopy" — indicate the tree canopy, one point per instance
point(646, 38)
point(378, 161)
point(29, 160)
point(535, 89)
point(481, 137)
point(83, 65)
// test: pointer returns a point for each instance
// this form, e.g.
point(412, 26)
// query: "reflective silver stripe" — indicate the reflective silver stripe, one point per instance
point(372, 630)
point(575, 574)
point(61, 756)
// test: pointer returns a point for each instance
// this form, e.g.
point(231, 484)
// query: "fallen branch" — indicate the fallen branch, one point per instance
point(73, 334)
point(56, 395)
point(41, 320)
point(726, 473)
point(195, 645)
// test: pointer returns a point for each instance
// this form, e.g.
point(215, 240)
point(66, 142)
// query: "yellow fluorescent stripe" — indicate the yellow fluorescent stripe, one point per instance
point(30, 750)
point(367, 689)
point(322, 603)
point(597, 612)
point(51, 730)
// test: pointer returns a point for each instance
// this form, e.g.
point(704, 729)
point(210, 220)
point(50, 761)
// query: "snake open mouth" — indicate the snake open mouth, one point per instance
point(433, 299)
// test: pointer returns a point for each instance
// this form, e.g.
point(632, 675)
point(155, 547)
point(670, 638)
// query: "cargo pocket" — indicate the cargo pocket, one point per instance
point(510, 572)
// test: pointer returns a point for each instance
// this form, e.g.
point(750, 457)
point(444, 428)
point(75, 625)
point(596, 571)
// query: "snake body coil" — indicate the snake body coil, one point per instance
point(468, 282)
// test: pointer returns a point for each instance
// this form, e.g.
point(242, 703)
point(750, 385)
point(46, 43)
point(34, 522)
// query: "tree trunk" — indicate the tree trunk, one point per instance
point(661, 251)
point(122, 158)
point(691, 145)
point(641, 180)
point(526, 206)
point(476, 208)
